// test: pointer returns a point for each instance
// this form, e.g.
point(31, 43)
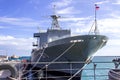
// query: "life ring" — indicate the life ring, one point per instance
point(12, 69)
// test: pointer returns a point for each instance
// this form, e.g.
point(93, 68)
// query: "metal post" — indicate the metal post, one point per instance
point(94, 71)
point(46, 71)
point(71, 69)
point(19, 70)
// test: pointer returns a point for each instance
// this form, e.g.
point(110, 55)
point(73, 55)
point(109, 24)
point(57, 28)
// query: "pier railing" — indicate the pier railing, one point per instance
point(92, 71)
point(97, 70)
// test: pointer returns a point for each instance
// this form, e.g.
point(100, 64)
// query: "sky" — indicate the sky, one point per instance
point(19, 19)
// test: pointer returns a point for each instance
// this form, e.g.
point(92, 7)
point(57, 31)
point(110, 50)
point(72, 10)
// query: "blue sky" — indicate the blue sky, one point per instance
point(19, 19)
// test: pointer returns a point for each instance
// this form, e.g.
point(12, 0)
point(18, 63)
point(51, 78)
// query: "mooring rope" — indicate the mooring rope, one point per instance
point(54, 59)
point(36, 62)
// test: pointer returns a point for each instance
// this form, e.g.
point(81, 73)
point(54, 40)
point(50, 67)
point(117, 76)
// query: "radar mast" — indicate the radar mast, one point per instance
point(55, 25)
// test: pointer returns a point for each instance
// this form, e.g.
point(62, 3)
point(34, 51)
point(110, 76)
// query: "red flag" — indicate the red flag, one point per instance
point(96, 7)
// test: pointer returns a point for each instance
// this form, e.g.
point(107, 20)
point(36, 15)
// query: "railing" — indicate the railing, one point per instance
point(97, 70)
point(93, 71)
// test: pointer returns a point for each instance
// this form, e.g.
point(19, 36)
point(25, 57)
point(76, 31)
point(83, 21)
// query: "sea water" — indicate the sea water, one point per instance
point(99, 67)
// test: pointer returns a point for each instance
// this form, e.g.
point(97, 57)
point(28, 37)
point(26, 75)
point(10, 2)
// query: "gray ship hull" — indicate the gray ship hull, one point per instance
point(69, 54)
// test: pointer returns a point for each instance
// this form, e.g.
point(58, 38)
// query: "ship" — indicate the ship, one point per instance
point(60, 56)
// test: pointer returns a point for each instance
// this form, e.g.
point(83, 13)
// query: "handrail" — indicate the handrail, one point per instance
point(85, 69)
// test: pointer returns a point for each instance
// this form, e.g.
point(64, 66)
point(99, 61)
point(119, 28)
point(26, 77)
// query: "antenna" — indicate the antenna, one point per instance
point(54, 9)
point(38, 28)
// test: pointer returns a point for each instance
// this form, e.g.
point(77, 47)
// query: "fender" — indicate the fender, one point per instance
point(9, 67)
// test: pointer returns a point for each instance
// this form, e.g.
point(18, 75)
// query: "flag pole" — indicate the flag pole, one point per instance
point(95, 12)
point(96, 31)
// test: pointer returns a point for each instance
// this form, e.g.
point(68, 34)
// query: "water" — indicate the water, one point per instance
point(20, 58)
point(101, 70)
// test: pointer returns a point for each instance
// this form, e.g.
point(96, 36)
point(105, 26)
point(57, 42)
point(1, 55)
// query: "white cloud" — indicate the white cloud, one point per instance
point(19, 21)
point(103, 2)
point(117, 2)
point(74, 19)
point(34, 2)
point(64, 7)
point(111, 48)
point(115, 14)
point(62, 3)
point(16, 43)
point(1, 27)
point(110, 25)
point(113, 42)
point(6, 38)
point(79, 25)
point(68, 10)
